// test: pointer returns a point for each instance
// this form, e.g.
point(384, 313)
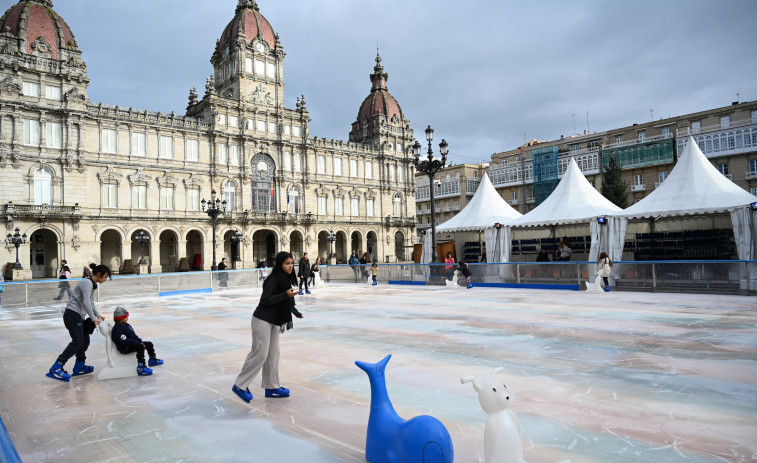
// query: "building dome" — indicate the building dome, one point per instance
point(248, 24)
point(380, 101)
point(39, 28)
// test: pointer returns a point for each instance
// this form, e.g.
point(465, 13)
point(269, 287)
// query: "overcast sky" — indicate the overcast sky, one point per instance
point(480, 72)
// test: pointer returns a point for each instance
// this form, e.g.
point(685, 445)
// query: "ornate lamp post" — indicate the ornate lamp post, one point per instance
point(236, 238)
point(331, 237)
point(16, 240)
point(214, 210)
point(430, 167)
point(142, 238)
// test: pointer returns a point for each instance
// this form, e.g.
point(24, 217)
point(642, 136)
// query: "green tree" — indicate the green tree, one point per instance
point(613, 186)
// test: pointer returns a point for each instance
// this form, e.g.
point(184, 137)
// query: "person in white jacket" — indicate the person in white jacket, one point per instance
point(604, 269)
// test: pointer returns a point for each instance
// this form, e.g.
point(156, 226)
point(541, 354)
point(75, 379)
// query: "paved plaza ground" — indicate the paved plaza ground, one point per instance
point(618, 377)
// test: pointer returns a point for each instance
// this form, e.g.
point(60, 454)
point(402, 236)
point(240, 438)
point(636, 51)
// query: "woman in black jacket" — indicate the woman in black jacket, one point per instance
point(272, 317)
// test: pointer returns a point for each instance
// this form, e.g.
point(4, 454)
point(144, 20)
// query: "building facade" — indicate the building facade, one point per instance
point(80, 178)
point(647, 152)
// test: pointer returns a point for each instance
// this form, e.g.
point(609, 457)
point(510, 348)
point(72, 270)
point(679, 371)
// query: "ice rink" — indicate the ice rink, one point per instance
point(617, 377)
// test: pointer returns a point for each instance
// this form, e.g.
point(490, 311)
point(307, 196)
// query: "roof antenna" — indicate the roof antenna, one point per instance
point(588, 130)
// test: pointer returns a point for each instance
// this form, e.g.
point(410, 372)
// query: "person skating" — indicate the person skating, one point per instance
point(463, 267)
point(604, 269)
point(304, 273)
point(313, 270)
point(127, 341)
point(272, 317)
point(374, 273)
point(81, 304)
point(64, 286)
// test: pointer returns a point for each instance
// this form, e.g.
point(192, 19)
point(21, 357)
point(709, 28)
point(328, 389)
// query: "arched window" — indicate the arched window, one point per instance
point(43, 186)
point(397, 205)
point(293, 200)
point(263, 187)
point(230, 195)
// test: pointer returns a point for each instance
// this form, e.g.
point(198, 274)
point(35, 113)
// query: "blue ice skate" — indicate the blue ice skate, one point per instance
point(243, 394)
point(81, 369)
point(278, 392)
point(57, 372)
point(142, 370)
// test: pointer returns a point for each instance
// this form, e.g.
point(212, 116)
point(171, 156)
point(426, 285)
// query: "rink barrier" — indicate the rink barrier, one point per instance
point(703, 276)
point(185, 292)
point(9, 453)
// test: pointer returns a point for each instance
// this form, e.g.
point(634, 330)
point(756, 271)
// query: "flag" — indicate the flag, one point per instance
point(271, 190)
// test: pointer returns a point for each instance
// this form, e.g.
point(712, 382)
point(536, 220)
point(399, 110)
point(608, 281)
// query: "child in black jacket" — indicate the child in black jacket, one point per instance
point(127, 341)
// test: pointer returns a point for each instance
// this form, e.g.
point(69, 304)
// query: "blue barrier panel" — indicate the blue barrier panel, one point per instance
point(9, 453)
point(402, 282)
point(185, 291)
point(527, 285)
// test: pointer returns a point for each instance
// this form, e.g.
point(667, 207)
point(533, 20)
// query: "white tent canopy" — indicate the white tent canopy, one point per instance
point(573, 201)
point(484, 210)
point(695, 186)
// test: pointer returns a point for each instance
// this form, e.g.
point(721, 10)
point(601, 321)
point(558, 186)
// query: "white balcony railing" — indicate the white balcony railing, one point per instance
point(686, 131)
point(737, 139)
point(513, 202)
point(641, 187)
point(751, 175)
point(637, 141)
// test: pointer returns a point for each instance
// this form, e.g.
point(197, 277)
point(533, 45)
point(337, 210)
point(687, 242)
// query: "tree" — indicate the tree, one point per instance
point(613, 186)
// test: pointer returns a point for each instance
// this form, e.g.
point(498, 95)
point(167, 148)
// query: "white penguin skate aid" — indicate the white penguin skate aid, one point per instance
point(119, 365)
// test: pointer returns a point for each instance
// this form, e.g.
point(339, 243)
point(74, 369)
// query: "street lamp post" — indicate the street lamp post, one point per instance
point(236, 238)
point(214, 209)
point(142, 238)
point(331, 237)
point(16, 240)
point(430, 167)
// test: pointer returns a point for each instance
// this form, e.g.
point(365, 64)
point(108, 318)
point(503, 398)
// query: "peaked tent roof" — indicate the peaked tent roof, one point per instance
point(484, 210)
point(574, 200)
point(694, 186)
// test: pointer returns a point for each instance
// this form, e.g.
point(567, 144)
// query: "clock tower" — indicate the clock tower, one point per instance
point(247, 64)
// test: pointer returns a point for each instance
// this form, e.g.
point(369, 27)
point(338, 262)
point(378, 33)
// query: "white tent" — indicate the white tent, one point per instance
point(695, 186)
point(574, 200)
point(484, 210)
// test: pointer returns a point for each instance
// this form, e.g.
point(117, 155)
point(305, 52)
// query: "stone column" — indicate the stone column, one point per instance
point(154, 260)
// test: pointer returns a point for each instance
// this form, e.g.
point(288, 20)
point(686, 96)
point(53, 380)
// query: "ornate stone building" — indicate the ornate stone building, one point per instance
point(81, 178)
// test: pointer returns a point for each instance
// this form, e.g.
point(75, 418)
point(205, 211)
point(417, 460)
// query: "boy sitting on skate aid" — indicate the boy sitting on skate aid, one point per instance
point(127, 341)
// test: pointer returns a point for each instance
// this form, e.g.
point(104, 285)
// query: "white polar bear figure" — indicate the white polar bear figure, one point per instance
point(502, 432)
point(119, 365)
point(595, 287)
point(453, 282)
point(317, 282)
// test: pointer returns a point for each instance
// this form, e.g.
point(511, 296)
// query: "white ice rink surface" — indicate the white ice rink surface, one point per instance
point(594, 378)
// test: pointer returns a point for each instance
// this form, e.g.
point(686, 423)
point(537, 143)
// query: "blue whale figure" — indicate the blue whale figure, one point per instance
point(390, 439)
